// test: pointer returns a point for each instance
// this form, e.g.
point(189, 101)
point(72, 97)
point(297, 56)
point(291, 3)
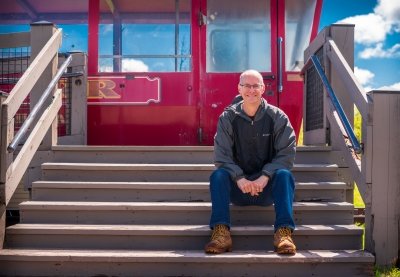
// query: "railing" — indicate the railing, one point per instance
point(342, 116)
point(373, 164)
point(39, 105)
point(12, 169)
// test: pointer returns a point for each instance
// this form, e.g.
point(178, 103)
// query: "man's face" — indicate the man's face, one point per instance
point(251, 89)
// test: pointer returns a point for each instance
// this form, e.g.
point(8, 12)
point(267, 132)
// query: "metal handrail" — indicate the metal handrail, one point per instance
point(32, 115)
point(4, 94)
point(335, 101)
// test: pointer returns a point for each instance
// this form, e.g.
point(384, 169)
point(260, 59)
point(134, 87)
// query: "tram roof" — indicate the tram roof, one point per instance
point(27, 11)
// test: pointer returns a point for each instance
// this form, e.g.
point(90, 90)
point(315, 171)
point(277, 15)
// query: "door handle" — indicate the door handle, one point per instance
point(269, 77)
point(280, 67)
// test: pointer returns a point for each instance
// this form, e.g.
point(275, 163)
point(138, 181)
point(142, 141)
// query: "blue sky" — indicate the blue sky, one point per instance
point(377, 38)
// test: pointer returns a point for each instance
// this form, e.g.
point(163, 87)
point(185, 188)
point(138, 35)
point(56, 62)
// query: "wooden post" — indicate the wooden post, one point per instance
point(2, 183)
point(41, 32)
point(385, 206)
point(78, 106)
point(6, 135)
point(343, 35)
point(366, 169)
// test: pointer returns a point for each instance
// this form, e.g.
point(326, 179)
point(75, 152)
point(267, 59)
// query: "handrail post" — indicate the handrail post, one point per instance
point(41, 32)
point(343, 35)
point(78, 100)
point(4, 164)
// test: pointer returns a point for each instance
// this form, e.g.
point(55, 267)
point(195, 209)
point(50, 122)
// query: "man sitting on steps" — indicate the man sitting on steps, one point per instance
point(254, 149)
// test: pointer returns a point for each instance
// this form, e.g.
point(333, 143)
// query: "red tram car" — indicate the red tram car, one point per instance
point(161, 71)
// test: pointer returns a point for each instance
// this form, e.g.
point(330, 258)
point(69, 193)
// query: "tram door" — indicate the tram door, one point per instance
point(267, 35)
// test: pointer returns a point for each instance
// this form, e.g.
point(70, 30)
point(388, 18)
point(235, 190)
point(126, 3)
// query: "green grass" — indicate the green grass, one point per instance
point(300, 138)
point(358, 202)
point(387, 272)
point(357, 123)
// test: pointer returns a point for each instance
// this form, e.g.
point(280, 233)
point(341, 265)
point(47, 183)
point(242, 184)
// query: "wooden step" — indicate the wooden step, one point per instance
point(31, 262)
point(133, 154)
point(176, 213)
point(168, 172)
point(176, 237)
point(173, 154)
point(165, 191)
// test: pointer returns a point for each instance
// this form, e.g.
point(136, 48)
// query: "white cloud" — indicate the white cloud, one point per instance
point(364, 76)
point(390, 10)
point(395, 86)
point(132, 65)
point(370, 28)
point(368, 88)
point(105, 29)
point(128, 65)
point(105, 68)
point(374, 27)
point(379, 52)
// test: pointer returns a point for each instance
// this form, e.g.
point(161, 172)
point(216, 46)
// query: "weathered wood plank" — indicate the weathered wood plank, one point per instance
point(385, 176)
point(27, 152)
point(3, 168)
point(2, 221)
point(6, 133)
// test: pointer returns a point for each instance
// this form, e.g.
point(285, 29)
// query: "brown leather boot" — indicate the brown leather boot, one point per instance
point(220, 240)
point(283, 242)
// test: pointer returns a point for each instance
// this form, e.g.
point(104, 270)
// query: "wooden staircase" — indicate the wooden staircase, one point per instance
point(144, 211)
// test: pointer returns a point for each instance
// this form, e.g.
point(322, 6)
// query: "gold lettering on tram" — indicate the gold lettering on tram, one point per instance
point(98, 89)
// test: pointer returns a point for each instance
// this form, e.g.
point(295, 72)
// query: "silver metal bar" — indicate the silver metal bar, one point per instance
point(4, 94)
point(32, 115)
point(335, 101)
point(280, 66)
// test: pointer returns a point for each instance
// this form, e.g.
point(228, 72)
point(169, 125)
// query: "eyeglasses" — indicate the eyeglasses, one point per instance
point(255, 86)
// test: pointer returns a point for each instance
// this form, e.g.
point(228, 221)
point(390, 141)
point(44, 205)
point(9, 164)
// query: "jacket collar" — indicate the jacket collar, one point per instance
point(237, 108)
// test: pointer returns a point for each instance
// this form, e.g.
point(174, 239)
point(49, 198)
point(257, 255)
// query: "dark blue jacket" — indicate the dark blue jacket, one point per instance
point(249, 148)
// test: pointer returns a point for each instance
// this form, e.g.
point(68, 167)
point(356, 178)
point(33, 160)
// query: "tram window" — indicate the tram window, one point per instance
point(299, 16)
point(75, 37)
point(238, 35)
point(145, 36)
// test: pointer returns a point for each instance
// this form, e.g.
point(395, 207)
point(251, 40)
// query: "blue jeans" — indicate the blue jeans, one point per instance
point(279, 191)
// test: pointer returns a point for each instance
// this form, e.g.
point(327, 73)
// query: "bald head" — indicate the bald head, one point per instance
point(253, 73)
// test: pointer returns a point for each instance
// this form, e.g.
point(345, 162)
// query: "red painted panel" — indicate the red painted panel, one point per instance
point(123, 90)
point(142, 125)
point(128, 116)
point(291, 101)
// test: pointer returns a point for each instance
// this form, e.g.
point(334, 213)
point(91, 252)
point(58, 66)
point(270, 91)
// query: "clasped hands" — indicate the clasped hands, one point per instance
point(253, 187)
